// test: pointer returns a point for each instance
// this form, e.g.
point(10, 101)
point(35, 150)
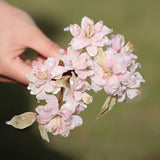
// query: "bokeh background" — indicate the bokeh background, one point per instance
point(131, 131)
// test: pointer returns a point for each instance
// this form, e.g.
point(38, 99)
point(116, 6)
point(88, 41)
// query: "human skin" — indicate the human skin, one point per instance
point(17, 33)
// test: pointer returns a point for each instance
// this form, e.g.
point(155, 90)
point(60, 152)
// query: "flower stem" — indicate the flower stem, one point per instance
point(61, 97)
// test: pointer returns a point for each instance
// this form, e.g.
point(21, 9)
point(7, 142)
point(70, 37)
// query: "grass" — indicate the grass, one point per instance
point(131, 130)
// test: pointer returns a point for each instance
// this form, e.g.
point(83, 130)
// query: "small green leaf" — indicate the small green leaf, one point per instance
point(108, 105)
point(43, 132)
point(23, 120)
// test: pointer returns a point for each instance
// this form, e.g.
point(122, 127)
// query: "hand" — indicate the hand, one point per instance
point(17, 33)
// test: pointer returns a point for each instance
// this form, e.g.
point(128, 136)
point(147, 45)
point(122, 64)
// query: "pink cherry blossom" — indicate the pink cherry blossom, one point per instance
point(60, 125)
point(42, 77)
point(98, 79)
point(76, 94)
point(55, 120)
point(131, 85)
point(89, 35)
point(46, 113)
point(112, 85)
point(115, 62)
point(117, 42)
point(79, 62)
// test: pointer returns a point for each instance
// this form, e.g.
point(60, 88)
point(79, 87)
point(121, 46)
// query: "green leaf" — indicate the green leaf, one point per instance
point(43, 132)
point(108, 105)
point(23, 120)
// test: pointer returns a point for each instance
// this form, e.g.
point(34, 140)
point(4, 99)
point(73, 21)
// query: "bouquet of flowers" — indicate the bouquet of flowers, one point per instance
point(92, 61)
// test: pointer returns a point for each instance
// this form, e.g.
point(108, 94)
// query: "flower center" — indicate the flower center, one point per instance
point(56, 123)
point(90, 30)
point(87, 98)
point(128, 47)
point(41, 74)
point(107, 73)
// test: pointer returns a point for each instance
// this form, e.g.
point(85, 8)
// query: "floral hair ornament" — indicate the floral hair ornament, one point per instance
point(107, 61)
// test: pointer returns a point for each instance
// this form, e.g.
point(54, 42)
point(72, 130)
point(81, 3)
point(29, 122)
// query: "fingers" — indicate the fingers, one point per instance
point(5, 79)
point(43, 45)
point(16, 70)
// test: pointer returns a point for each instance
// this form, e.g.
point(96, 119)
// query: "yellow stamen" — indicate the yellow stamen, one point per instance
point(86, 98)
point(107, 73)
point(139, 92)
point(90, 30)
point(129, 46)
point(41, 74)
point(56, 123)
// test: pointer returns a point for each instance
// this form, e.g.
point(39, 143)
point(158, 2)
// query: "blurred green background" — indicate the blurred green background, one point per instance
point(131, 131)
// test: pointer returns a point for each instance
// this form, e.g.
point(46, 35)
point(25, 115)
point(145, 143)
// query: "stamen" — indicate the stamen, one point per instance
point(41, 74)
point(56, 123)
point(129, 46)
point(90, 30)
point(87, 98)
point(139, 92)
point(107, 73)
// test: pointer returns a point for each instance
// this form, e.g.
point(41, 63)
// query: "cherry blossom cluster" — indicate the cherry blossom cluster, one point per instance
point(93, 60)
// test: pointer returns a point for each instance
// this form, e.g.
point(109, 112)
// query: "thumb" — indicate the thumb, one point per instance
point(42, 44)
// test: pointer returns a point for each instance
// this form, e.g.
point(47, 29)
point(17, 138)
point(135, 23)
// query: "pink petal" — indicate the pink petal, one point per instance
point(64, 132)
point(77, 96)
point(75, 30)
point(97, 83)
point(69, 105)
point(79, 43)
point(98, 26)
point(92, 50)
point(110, 63)
point(117, 42)
point(85, 21)
point(84, 73)
point(77, 121)
point(67, 114)
point(119, 69)
point(49, 86)
point(51, 62)
point(57, 72)
point(82, 61)
point(52, 101)
point(39, 109)
point(44, 117)
point(124, 77)
point(105, 30)
point(121, 98)
point(112, 85)
point(81, 107)
point(132, 93)
point(97, 38)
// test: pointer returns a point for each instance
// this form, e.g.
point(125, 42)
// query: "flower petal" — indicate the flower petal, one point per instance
point(74, 29)
point(98, 26)
point(85, 21)
point(112, 85)
point(79, 43)
point(132, 93)
point(105, 30)
point(83, 74)
point(92, 50)
point(52, 101)
point(77, 121)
